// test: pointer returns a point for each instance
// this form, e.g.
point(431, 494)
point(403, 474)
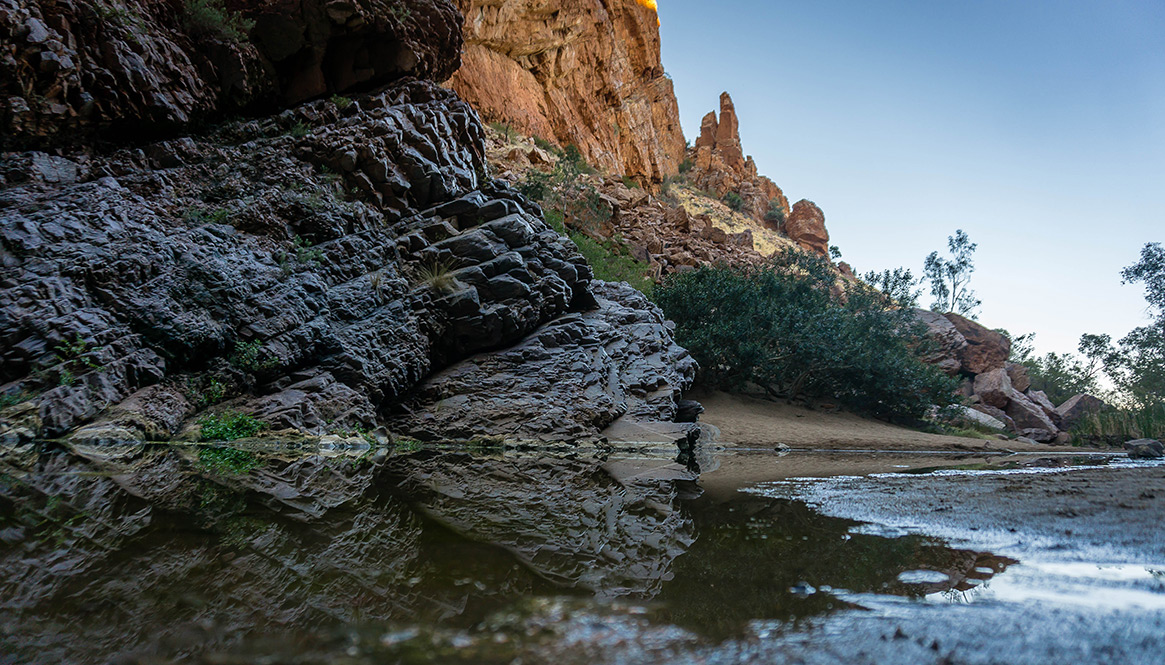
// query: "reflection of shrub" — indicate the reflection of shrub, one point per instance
point(227, 460)
point(734, 201)
point(785, 328)
point(229, 425)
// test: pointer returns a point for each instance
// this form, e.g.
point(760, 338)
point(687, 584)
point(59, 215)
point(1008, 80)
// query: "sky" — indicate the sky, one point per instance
point(1038, 127)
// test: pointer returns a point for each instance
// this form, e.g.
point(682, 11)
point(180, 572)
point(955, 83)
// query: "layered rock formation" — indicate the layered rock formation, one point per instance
point(310, 269)
point(720, 166)
point(134, 65)
point(586, 73)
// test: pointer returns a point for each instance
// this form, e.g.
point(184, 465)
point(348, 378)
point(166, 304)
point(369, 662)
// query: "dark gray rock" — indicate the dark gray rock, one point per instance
point(253, 236)
point(1145, 449)
point(1077, 408)
point(567, 382)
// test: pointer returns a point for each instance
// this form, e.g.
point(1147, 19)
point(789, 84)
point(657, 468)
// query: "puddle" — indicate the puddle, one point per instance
point(168, 554)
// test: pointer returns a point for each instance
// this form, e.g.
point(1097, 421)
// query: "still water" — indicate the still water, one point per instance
point(160, 554)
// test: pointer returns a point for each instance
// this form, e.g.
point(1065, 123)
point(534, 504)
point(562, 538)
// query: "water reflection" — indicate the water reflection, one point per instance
point(162, 553)
point(758, 558)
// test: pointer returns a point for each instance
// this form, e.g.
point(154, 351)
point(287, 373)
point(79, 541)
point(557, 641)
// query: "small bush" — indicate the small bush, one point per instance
point(341, 102)
point(13, 398)
point(210, 18)
point(503, 129)
point(227, 461)
point(686, 165)
point(536, 186)
point(229, 426)
point(247, 357)
point(304, 252)
point(734, 201)
point(783, 327)
point(199, 217)
point(630, 183)
point(776, 214)
point(299, 130)
point(438, 275)
point(547, 146)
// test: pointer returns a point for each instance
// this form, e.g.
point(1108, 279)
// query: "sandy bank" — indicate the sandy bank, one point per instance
point(747, 422)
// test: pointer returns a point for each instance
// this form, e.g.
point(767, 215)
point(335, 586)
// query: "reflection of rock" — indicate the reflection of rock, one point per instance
point(572, 522)
point(148, 548)
point(566, 382)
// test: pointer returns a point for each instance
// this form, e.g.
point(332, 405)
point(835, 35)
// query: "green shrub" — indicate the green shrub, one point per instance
point(247, 357)
point(229, 425)
point(686, 165)
point(734, 201)
point(785, 328)
point(776, 214)
point(13, 398)
point(210, 18)
point(611, 262)
point(547, 146)
point(630, 183)
point(536, 186)
point(341, 102)
point(227, 461)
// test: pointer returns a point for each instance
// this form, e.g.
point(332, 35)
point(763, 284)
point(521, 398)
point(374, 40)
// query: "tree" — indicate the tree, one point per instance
point(898, 285)
point(1137, 367)
point(950, 278)
point(1064, 375)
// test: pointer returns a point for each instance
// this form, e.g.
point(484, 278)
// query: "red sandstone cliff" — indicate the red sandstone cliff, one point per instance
point(586, 72)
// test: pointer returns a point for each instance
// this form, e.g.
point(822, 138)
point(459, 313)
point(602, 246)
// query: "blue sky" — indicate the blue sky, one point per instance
point(1038, 127)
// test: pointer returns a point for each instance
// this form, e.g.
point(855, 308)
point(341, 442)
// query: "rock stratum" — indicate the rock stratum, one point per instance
point(311, 268)
point(586, 73)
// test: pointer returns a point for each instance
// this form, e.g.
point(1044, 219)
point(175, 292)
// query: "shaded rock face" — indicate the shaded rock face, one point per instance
point(948, 342)
point(152, 550)
point(568, 381)
point(584, 72)
point(719, 164)
point(323, 261)
point(135, 66)
point(1079, 407)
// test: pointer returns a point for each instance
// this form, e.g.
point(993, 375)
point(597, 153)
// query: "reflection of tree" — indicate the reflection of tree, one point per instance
point(751, 551)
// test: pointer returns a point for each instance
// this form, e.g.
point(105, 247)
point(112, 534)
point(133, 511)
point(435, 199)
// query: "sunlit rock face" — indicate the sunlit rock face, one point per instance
point(585, 72)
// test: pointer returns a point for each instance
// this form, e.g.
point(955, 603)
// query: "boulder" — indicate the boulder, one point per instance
point(986, 349)
point(1077, 408)
point(1019, 376)
point(1028, 415)
point(994, 388)
point(806, 227)
point(1040, 398)
point(980, 418)
point(996, 413)
point(947, 343)
point(1145, 449)
point(1039, 435)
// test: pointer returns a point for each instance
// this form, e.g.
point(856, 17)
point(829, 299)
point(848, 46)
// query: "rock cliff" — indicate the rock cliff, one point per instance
point(128, 66)
point(719, 165)
point(309, 268)
point(586, 73)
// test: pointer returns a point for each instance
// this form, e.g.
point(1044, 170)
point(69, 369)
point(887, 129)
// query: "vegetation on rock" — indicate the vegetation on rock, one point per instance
point(229, 426)
point(789, 329)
